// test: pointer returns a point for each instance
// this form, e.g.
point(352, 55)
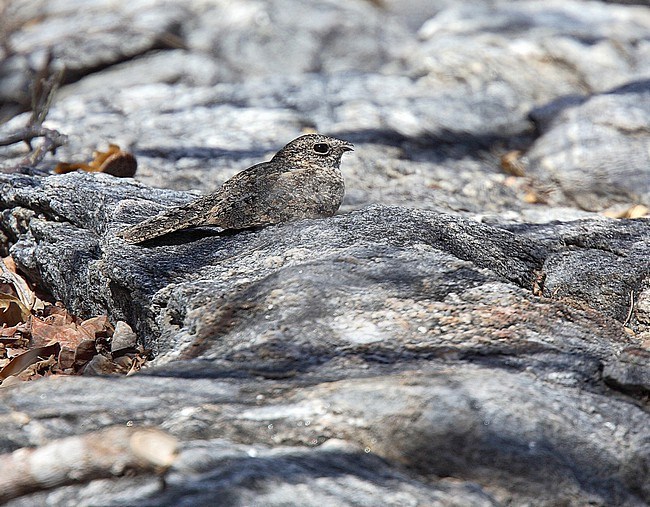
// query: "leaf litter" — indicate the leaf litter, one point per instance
point(114, 161)
point(40, 339)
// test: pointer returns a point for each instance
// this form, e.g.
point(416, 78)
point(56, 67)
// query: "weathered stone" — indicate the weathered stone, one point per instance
point(630, 371)
point(411, 309)
point(538, 51)
point(442, 341)
point(601, 262)
point(596, 150)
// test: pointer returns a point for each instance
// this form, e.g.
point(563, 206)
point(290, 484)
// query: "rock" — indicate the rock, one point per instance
point(246, 38)
point(630, 371)
point(429, 128)
point(285, 37)
point(457, 335)
point(535, 52)
point(596, 151)
point(117, 34)
point(123, 337)
point(15, 80)
point(600, 263)
point(431, 316)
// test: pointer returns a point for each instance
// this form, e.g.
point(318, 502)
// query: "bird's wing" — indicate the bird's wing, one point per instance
point(243, 198)
point(169, 220)
point(233, 206)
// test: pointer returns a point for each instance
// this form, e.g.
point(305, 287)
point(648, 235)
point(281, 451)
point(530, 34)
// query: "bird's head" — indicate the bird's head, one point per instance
point(313, 150)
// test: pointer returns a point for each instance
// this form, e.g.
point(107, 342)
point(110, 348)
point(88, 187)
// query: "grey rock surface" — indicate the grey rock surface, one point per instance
point(457, 335)
point(275, 337)
point(435, 112)
point(597, 151)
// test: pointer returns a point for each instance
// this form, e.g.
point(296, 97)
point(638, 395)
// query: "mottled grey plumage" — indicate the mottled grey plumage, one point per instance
point(302, 180)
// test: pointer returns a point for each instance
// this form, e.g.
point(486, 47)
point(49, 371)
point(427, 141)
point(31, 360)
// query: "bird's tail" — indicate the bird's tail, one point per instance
point(169, 220)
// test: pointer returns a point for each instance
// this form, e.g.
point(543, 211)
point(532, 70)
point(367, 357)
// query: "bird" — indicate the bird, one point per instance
point(302, 180)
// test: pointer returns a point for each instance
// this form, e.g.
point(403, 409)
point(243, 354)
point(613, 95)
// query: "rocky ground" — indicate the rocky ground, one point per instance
point(473, 328)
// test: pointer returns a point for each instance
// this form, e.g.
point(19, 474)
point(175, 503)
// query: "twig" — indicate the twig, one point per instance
point(107, 453)
point(30, 132)
point(46, 85)
point(44, 88)
point(52, 139)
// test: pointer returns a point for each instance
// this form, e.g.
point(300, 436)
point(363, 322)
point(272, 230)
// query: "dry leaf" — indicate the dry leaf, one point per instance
point(511, 163)
point(10, 263)
point(114, 161)
point(12, 310)
point(8, 288)
point(96, 326)
point(136, 366)
point(14, 333)
point(77, 342)
point(22, 290)
point(22, 361)
point(58, 309)
point(56, 329)
point(38, 369)
point(636, 211)
point(58, 341)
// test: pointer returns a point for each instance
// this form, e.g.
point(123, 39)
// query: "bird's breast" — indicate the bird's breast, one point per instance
point(307, 194)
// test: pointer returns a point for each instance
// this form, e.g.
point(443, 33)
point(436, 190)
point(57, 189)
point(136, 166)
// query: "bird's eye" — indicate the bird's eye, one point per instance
point(322, 148)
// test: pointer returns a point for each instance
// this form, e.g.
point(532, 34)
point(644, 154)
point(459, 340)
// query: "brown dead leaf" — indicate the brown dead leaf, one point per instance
point(635, 211)
point(58, 309)
point(17, 284)
point(9, 381)
point(53, 341)
point(10, 263)
point(56, 328)
point(14, 333)
point(114, 161)
point(12, 310)
point(59, 319)
point(84, 353)
point(22, 361)
point(136, 366)
point(511, 163)
point(77, 342)
point(75, 360)
point(97, 326)
point(8, 288)
point(38, 369)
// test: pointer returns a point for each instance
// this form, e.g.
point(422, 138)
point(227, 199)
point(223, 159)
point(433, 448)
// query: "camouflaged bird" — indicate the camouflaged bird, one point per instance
point(302, 180)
